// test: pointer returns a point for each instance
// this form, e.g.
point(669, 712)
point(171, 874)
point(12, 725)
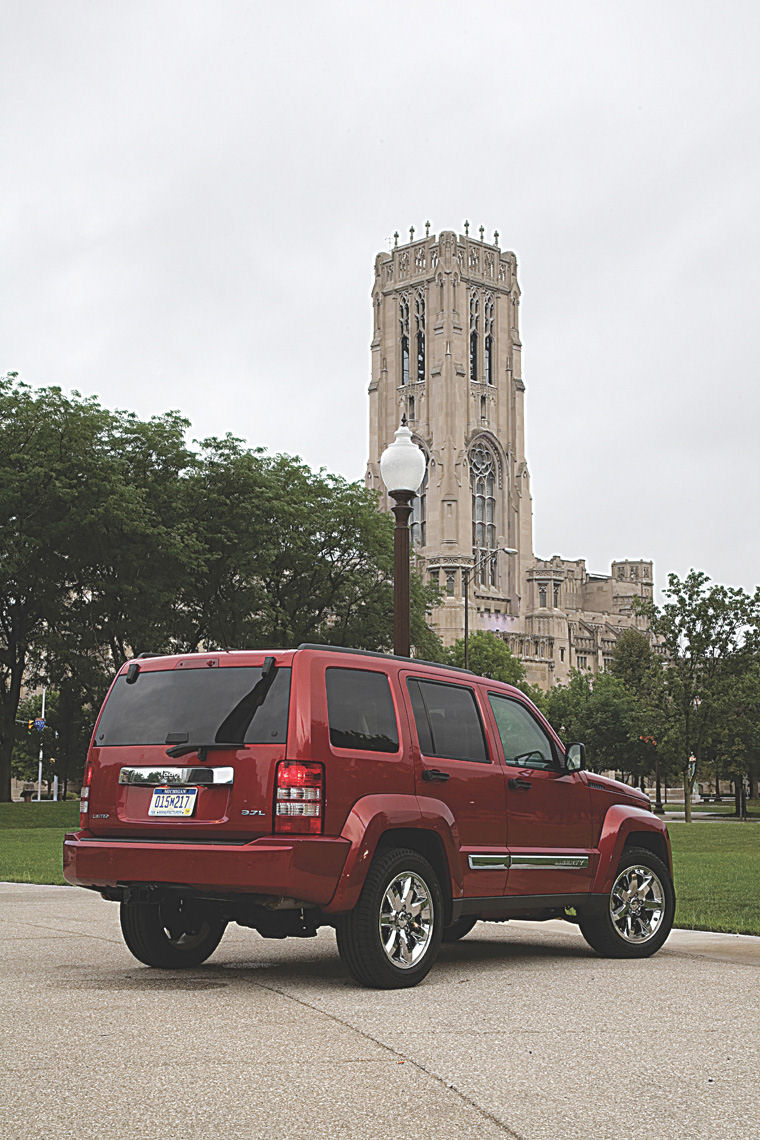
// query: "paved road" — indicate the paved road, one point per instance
point(518, 1032)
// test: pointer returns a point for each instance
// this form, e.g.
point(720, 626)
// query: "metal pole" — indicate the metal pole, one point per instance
point(658, 786)
point(466, 579)
point(466, 583)
point(402, 509)
point(39, 762)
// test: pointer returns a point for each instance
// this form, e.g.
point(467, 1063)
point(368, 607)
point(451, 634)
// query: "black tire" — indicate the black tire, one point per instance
point(638, 913)
point(458, 928)
point(172, 934)
point(413, 925)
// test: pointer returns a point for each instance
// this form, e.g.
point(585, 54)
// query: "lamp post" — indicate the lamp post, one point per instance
point(402, 466)
point(466, 583)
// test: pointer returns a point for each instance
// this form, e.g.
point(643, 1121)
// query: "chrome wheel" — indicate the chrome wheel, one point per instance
point(392, 936)
point(407, 917)
point(637, 904)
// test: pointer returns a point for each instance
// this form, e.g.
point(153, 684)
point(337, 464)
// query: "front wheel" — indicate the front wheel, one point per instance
point(391, 938)
point(639, 910)
point(173, 933)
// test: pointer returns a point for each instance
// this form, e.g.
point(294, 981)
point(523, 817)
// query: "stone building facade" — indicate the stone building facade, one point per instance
point(446, 353)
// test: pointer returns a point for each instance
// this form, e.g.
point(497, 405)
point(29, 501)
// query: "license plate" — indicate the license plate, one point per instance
point(173, 801)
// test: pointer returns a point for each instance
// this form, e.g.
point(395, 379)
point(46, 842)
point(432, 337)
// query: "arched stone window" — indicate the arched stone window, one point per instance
point(483, 488)
point(418, 522)
point(403, 311)
point(488, 339)
point(419, 312)
point(474, 331)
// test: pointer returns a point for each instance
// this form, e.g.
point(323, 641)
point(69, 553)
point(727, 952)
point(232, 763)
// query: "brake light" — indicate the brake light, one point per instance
point(299, 796)
point(84, 795)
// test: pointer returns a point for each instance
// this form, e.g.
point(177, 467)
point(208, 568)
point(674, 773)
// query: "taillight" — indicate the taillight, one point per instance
point(299, 796)
point(84, 795)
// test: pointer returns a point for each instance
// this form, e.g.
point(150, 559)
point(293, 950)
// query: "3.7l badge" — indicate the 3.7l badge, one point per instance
point(252, 811)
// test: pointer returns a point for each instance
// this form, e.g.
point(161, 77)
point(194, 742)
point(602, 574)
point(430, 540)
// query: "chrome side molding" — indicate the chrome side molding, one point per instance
point(527, 862)
point(489, 862)
point(176, 777)
point(548, 862)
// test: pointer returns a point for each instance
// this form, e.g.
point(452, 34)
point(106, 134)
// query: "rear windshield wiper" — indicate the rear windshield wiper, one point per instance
point(202, 749)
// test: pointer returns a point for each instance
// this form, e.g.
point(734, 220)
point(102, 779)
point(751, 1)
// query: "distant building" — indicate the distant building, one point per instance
point(446, 352)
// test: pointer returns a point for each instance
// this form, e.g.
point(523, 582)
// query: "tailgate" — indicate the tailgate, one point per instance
point(189, 748)
point(141, 792)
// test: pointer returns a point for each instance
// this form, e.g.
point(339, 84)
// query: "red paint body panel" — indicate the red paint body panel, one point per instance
point(368, 821)
point(620, 822)
point(298, 867)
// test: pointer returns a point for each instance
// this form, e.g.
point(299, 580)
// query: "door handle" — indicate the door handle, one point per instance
point(518, 784)
point(435, 774)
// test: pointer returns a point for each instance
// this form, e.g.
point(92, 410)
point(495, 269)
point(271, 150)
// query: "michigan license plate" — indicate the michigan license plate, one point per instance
point(173, 801)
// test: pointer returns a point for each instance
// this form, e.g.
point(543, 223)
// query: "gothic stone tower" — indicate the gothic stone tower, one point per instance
point(446, 353)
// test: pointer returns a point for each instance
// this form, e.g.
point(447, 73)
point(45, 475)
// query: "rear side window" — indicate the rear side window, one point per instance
point(206, 706)
point(525, 743)
point(448, 722)
point(360, 710)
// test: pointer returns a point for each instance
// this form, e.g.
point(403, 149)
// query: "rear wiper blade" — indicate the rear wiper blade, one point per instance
point(201, 749)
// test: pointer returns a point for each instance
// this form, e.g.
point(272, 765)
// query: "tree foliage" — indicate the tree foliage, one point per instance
point(490, 656)
point(689, 688)
point(702, 630)
point(117, 538)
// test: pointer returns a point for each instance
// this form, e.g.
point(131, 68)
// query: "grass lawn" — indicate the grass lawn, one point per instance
point(717, 864)
point(30, 840)
point(717, 873)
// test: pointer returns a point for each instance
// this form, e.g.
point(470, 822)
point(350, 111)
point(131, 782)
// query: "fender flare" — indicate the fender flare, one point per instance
point(621, 821)
point(370, 818)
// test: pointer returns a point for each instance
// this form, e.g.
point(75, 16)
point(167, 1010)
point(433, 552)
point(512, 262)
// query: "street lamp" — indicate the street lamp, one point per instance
point(402, 466)
point(466, 584)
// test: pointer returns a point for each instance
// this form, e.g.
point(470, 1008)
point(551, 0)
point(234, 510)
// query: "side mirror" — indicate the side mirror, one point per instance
point(575, 757)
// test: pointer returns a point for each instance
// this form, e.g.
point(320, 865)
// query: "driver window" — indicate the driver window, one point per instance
point(524, 742)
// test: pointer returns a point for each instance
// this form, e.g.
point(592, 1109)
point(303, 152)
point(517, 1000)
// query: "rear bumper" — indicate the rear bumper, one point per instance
point(301, 867)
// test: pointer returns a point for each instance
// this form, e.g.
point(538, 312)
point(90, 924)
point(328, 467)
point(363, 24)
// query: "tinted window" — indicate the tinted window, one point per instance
point(525, 743)
point(360, 710)
point(447, 719)
point(209, 705)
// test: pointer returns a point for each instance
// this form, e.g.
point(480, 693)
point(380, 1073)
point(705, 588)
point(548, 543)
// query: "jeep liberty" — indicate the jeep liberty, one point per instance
point(396, 800)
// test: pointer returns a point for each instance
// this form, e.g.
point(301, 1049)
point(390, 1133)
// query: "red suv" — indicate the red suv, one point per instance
point(396, 800)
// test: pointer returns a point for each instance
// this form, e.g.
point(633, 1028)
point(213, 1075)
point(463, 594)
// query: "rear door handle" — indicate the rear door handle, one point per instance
point(518, 784)
point(435, 774)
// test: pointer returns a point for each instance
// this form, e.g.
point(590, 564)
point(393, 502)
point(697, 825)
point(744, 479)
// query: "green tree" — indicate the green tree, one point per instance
point(94, 549)
point(731, 744)
point(291, 555)
point(490, 656)
point(701, 629)
point(641, 669)
point(601, 712)
point(55, 483)
point(116, 539)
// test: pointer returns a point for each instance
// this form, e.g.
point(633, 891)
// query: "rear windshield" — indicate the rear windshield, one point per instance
point(203, 706)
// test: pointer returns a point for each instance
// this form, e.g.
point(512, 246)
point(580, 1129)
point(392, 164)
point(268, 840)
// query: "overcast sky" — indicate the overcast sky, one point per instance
point(193, 195)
